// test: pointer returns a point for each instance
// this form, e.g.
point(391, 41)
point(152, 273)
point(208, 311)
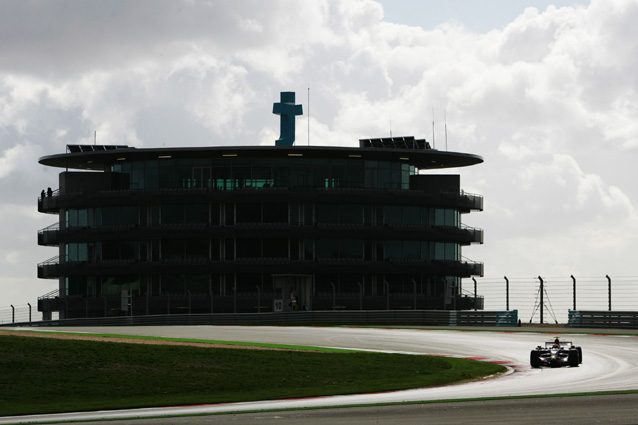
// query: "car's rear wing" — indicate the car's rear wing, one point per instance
point(563, 344)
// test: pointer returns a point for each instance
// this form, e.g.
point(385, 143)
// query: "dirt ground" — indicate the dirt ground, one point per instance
point(80, 337)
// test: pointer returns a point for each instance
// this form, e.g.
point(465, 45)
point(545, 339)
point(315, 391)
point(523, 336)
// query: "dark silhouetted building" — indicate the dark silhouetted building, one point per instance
point(257, 228)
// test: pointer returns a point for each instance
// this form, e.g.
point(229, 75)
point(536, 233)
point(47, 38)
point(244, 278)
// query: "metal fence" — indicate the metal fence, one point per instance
point(350, 317)
point(560, 294)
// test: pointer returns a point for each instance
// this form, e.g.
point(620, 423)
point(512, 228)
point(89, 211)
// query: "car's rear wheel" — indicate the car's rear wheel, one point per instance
point(573, 358)
point(580, 355)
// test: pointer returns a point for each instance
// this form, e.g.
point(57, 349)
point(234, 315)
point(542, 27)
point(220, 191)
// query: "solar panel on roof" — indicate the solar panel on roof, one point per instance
point(406, 142)
point(94, 148)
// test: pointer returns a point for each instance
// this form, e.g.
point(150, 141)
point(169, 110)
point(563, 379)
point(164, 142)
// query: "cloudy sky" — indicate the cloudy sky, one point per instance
point(545, 91)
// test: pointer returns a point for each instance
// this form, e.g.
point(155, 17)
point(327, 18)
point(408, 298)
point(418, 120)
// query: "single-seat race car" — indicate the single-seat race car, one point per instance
point(556, 354)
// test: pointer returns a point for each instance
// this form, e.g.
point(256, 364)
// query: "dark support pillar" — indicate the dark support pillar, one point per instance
point(414, 293)
point(542, 302)
point(475, 297)
point(258, 298)
point(235, 295)
point(13, 314)
point(507, 293)
point(334, 295)
point(29, 304)
point(387, 294)
point(147, 301)
point(608, 290)
point(189, 302)
point(574, 290)
point(105, 306)
point(360, 295)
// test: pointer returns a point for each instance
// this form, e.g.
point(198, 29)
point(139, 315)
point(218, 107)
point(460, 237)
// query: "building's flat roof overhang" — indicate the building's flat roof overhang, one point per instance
point(420, 158)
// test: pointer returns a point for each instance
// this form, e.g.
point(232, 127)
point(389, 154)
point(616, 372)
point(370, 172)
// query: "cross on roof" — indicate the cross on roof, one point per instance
point(287, 110)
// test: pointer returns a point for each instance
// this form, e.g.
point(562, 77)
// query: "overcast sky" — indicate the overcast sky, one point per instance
point(546, 94)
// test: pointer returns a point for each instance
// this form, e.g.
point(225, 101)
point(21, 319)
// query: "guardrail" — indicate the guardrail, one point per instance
point(370, 317)
point(603, 319)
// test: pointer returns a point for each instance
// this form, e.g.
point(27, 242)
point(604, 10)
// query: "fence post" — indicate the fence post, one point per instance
point(542, 304)
point(474, 280)
point(13, 314)
point(608, 290)
point(29, 304)
point(574, 290)
point(235, 295)
point(507, 293)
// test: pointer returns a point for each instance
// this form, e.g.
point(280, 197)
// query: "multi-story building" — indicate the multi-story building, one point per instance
point(257, 228)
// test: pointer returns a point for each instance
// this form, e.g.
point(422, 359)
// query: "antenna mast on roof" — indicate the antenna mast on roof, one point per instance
point(433, 143)
point(308, 114)
point(445, 119)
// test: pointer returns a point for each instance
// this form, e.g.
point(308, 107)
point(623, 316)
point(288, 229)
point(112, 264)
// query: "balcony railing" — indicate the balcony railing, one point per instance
point(49, 269)
point(50, 235)
point(462, 200)
point(48, 201)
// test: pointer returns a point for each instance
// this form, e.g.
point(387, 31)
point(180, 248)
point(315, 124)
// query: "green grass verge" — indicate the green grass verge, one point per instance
point(43, 375)
point(207, 341)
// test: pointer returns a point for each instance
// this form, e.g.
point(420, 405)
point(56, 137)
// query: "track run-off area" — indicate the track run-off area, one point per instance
point(609, 364)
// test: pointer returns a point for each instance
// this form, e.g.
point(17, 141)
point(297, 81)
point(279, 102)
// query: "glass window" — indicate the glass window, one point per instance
point(326, 248)
point(439, 217)
point(172, 214)
point(392, 215)
point(392, 249)
point(248, 248)
point(113, 216)
point(351, 248)
point(411, 249)
point(351, 214)
point(77, 252)
point(196, 213)
point(275, 213)
point(411, 215)
point(276, 248)
point(248, 212)
point(327, 214)
point(196, 249)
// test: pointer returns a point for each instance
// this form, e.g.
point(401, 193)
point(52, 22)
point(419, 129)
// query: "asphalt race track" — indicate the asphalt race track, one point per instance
point(609, 363)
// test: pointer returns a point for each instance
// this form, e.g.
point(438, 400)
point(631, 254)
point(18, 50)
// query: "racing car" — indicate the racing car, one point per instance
point(556, 354)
